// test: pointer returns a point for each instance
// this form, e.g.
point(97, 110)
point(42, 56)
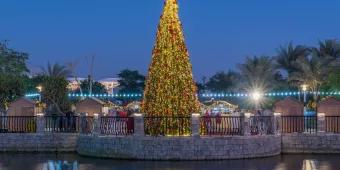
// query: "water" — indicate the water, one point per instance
point(70, 161)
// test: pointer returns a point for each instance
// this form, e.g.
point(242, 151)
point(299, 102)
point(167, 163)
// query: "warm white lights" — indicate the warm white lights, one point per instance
point(256, 96)
point(304, 87)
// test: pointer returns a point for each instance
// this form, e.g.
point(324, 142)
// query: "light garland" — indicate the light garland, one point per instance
point(204, 95)
point(32, 95)
point(117, 95)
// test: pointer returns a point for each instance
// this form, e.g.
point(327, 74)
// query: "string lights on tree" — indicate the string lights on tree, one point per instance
point(170, 89)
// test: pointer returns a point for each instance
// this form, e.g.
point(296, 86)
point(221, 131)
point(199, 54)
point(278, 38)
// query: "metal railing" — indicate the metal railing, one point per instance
point(62, 124)
point(261, 125)
point(167, 126)
point(299, 124)
point(221, 125)
point(18, 124)
point(332, 124)
point(117, 126)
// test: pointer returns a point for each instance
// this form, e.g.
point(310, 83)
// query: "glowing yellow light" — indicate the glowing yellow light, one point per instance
point(39, 88)
point(256, 96)
point(304, 87)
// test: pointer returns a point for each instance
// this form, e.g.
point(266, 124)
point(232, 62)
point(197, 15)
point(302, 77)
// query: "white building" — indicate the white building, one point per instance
point(73, 84)
point(110, 84)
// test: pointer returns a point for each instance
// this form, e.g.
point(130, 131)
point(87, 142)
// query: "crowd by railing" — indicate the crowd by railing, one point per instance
point(261, 125)
point(172, 126)
point(65, 124)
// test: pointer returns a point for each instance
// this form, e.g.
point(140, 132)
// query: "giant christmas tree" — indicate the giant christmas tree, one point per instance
point(170, 89)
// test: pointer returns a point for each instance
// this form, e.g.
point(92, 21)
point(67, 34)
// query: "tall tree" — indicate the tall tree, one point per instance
point(332, 82)
point(11, 87)
point(288, 55)
point(313, 71)
point(223, 82)
point(12, 62)
point(258, 73)
point(12, 72)
point(54, 94)
point(56, 70)
point(131, 81)
point(54, 88)
point(328, 48)
point(170, 88)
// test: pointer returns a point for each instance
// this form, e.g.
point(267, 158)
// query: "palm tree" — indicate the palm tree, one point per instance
point(55, 73)
point(223, 82)
point(288, 55)
point(258, 73)
point(312, 71)
point(329, 48)
point(56, 70)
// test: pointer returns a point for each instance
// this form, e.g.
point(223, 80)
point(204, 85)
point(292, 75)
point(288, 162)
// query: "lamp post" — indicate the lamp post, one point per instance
point(256, 97)
point(304, 88)
point(39, 88)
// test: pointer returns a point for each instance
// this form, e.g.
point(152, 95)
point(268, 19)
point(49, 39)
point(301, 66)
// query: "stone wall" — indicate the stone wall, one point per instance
point(311, 143)
point(38, 142)
point(172, 148)
point(179, 148)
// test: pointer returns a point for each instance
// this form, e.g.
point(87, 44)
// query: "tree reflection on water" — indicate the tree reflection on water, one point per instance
point(72, 161)
point(60, 165)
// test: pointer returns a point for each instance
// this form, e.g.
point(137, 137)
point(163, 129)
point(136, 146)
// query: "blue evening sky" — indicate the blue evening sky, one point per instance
point(121, 33)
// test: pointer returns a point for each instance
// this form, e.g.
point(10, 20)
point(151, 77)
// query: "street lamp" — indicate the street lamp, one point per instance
point(304, 88)
point(256, 97)
point(39, 88)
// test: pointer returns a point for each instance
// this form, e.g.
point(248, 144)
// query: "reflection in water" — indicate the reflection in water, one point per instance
point(45, 161)
point(60, 165)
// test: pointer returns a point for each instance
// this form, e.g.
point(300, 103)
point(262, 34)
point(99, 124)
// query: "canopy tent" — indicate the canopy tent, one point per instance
point(203, 108)
point(113, 106)
point(134, 106)
point(220, 106)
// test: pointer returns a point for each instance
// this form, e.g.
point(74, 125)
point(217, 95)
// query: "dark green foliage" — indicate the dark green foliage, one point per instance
point(12, 62)
point(12, 72)
point(11, 87)
point(54, 94)
point(97, 88)
point(223, 82)
point(131, 81)
point(333, 82)
point(30, 84)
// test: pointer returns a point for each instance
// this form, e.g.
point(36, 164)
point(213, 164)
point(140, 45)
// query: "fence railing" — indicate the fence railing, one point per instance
point(117, 126)
point(332, 124)
point(170, 126)
point(299, 124)
point(221, 125)
point(167, 126)
point(261, 125)
point(63, 124)
point(18, 124)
